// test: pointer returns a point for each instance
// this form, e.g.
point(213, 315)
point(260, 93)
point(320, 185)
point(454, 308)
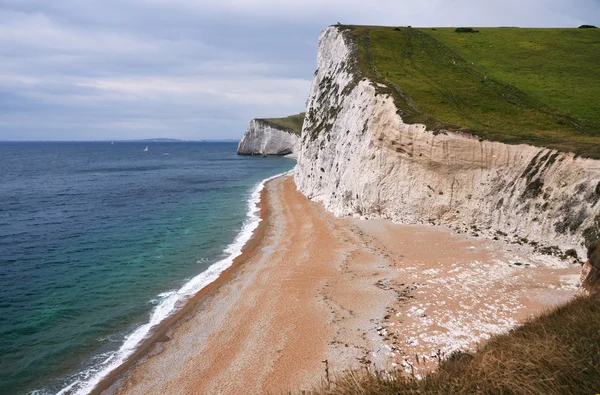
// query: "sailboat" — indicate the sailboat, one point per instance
point(146, 149)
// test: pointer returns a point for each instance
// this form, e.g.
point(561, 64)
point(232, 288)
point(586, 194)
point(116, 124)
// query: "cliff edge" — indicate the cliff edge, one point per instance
point(361, 159)
point(274, 136)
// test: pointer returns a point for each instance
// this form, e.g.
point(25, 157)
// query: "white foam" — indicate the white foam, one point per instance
point(171, 301)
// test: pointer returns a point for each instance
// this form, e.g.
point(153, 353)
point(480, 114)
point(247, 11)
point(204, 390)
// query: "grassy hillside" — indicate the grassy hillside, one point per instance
point(557, 353)
point(293, 123)
point(535, 86)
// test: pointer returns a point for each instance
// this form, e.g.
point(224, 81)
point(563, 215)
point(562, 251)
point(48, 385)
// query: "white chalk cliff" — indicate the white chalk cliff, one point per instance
point(262, 138)
point(360, 159)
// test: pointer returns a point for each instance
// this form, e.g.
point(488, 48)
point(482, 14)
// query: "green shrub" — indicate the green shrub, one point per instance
point(587, 27)
point(465, 30)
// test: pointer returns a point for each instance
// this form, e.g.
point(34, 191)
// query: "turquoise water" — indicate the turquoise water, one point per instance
point(95, 240)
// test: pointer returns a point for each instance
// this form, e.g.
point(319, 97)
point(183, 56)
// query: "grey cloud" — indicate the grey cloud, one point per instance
point(74, 69)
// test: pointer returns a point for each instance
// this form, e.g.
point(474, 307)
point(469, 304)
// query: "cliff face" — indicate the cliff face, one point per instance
point(262, 138)
point(590, 274)
point(359, 158)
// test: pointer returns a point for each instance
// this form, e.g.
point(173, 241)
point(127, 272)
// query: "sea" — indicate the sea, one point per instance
point(101, 241)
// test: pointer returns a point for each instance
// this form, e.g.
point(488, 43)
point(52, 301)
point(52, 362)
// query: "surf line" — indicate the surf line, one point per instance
point(171, 301)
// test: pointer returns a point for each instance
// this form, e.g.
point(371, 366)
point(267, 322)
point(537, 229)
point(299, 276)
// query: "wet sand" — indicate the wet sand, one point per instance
point(311, 288)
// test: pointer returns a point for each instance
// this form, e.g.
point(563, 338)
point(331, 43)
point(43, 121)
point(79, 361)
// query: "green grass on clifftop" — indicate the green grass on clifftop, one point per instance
point(515, 85)
point(293, 123)
point(557, 353)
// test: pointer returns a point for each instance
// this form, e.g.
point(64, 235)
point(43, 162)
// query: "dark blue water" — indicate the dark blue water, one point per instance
point(92, 233)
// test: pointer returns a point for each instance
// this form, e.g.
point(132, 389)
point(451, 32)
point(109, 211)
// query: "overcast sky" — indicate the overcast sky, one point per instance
point(125, 69)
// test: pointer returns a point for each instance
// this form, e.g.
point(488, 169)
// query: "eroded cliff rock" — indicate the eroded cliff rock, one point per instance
point(263, 138)
point(590, 273)
point(359, 158)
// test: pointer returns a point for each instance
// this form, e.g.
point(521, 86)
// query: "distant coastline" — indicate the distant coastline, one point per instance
point(157, 140)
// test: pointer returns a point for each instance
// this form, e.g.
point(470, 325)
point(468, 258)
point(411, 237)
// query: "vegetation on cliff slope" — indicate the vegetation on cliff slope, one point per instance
point(292, 124)
point(557, 353)
point(534, 86)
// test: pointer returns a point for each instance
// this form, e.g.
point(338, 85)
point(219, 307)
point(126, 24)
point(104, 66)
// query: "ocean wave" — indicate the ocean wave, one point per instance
point(169, 302)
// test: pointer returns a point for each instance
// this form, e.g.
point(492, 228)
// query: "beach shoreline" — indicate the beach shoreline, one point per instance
point(160, 332)
point(310, 287)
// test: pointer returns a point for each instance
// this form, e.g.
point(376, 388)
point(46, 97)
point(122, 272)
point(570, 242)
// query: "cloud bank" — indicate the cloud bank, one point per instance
point(107, 69)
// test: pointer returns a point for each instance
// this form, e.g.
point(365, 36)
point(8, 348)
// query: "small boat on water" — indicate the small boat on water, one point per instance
point(146, 149)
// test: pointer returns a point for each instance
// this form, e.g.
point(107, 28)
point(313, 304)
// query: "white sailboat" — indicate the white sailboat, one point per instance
point(146, 149)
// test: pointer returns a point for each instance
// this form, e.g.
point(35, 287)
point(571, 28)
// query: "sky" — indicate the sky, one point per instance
point(194, 70)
